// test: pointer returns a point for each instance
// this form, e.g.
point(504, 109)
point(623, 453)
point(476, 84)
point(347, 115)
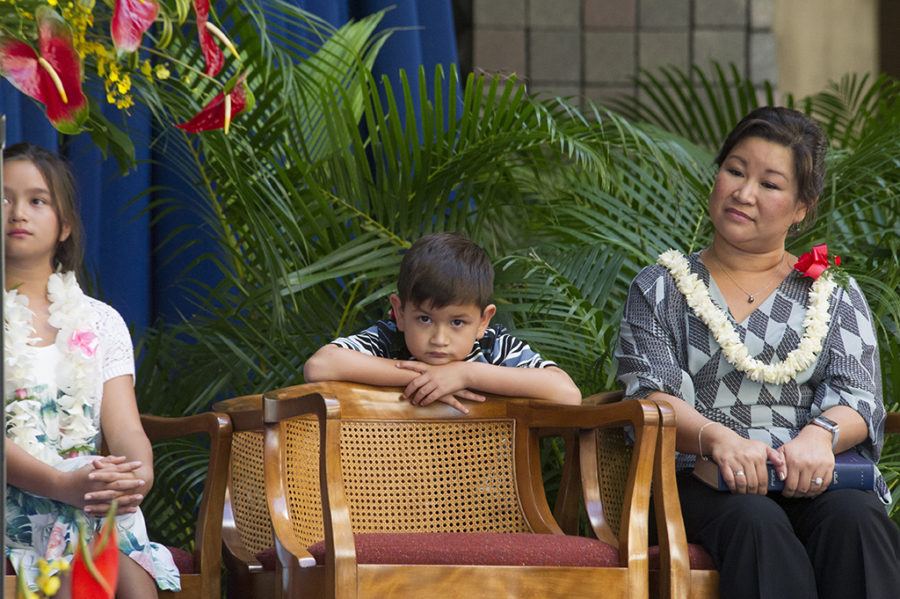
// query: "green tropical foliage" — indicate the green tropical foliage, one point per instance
point(315, 193)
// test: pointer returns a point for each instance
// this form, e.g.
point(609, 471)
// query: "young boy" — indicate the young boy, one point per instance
point(439, 345)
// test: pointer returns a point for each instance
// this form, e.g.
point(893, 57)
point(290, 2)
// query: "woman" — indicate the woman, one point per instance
point(776, 368)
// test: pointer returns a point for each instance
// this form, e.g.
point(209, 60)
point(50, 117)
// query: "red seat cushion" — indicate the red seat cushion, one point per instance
point(471, 548)
point(184, 561)
point(697, 556)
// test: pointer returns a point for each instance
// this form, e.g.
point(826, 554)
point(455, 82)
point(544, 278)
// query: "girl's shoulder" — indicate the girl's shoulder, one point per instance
point(106, 319)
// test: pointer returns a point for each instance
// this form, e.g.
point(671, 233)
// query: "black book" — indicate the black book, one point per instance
point(851, 471)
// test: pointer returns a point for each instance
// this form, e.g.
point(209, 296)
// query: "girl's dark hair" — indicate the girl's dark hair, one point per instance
point(61, 184)
point(443, 269)
point(793, 130)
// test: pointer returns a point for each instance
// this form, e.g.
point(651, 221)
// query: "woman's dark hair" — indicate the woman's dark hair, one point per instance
point(61, 183)
point(442, 269)
point(793, 130)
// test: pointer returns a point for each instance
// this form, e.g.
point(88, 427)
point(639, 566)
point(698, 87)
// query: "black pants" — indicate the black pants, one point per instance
point(839, 545)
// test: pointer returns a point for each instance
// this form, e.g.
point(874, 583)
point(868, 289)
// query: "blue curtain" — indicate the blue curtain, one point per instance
point(127, 262)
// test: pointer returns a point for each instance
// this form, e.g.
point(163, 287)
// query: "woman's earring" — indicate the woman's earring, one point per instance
point(795, 228)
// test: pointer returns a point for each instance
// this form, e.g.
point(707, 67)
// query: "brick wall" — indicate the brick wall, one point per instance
point(594, 48)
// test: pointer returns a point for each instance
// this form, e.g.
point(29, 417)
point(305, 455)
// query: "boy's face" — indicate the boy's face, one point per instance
point(441, 335)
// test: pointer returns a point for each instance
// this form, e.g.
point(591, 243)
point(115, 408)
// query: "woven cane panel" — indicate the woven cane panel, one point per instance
point(411, 477)
point(301, 455)
point(431, 476)
point(614, 459)
point(248, 491)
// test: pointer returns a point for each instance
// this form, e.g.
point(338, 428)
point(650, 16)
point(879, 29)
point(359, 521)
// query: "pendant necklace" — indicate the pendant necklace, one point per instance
point(751, 297)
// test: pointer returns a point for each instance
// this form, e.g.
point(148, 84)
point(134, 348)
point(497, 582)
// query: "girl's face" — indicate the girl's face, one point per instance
point(33, 228)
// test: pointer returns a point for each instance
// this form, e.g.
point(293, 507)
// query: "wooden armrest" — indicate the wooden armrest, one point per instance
point(340, 560)
point(208, 534)
point(675, 568)
point(892, 424)
point(245, 412)
point(603, 397)
point(547, 415)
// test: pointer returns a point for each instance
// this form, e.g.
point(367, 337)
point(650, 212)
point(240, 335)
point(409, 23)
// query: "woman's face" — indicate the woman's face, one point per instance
point(754, 200)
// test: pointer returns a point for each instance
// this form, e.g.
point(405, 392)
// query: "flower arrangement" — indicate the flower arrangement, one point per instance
point(49, 48)
point(815, 324)
point(95, 567)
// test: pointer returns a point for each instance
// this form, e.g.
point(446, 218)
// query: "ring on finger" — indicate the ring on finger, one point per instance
point(739, 473)
point(817, 481)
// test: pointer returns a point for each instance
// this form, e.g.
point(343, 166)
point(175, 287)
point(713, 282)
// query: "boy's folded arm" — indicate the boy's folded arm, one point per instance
point(334, 363)
point(550, 383)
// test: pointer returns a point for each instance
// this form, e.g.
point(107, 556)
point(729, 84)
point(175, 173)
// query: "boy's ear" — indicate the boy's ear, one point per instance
point(486, 315)
point(397, 307)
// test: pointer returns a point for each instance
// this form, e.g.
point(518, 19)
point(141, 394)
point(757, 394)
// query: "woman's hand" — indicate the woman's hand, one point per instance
point(810, 463)
point(742, 462)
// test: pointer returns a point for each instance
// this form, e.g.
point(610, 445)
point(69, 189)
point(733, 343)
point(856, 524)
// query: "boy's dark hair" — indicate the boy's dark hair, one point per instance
point(795, 131)
point(443, 269)
point(61, 184)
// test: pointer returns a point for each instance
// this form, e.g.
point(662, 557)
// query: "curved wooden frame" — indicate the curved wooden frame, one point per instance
point(246, 577)
point(343, 577)
point(208, 534)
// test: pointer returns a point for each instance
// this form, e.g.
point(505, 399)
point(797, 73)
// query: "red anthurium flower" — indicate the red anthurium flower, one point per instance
point(211, 52)
point(131, 18)
point(53, 76)
point(95, 569)
point(222, 109)
point(814, 262)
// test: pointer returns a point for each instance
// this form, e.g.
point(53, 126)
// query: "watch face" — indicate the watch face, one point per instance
point(826, 423)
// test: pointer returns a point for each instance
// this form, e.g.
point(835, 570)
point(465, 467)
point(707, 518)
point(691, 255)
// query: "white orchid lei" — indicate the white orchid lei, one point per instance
point(815, 325)
point(77, 374)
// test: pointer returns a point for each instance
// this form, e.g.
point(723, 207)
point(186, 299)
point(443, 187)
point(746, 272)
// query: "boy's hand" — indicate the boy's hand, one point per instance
point(453, 400)
point(446, 383)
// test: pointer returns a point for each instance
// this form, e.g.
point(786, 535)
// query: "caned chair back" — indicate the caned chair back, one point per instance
point(614, 460)
point(247, 491)
point(413, 476)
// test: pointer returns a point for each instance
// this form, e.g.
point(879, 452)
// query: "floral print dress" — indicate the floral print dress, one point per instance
point(38, 527)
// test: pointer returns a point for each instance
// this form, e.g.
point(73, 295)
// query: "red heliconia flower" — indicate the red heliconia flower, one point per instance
point(131, 18)
point(222, 109)
point(95, 569)
point(51, 76)
point(211, 52)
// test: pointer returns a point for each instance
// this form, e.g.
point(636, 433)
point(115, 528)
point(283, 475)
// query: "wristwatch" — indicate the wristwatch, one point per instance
point(829, 425)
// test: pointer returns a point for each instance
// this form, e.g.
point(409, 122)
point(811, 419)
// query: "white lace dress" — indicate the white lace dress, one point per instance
point(38, 527)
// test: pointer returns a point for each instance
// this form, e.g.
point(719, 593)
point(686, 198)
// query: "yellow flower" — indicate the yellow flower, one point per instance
point(49, 585)
point(124, 84)
point(162, 73)
point(146, 68)
point(52, 2)
point(110, 98)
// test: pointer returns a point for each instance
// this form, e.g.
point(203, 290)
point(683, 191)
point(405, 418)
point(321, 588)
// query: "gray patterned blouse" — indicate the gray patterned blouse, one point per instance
point(664, 346)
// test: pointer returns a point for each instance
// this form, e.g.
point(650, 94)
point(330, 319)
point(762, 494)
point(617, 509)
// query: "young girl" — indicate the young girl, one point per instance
point(69, 376)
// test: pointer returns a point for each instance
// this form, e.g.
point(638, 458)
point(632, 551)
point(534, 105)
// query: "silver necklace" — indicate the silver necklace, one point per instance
point(751, 297)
